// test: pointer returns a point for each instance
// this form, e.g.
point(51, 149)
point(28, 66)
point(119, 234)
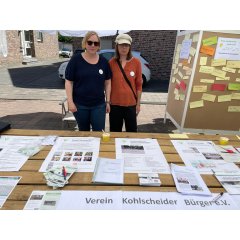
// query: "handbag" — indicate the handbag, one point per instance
point(125, 77)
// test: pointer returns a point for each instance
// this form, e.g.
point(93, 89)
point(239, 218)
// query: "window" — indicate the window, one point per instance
point(39, 36)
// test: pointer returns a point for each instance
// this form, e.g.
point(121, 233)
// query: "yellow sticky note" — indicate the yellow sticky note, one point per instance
point(218, 73)
point(180, 74)
point(238, 136)
point(192, 51)
point(234, 86)
point(210, 41)
point(236, 96)
point(177, 97)
point(208, 97)
point(180, 65)
point(186, 77)
point(173, 79)
point(225, 98)
point(195, 37)
point(181, 136)
point(218, 62)
point(200, 88)
point(233, 64)
point(233, 108)
point(239, 71)
point(175, 71)
point(206, 80)
point(203, 61)
point(182, 97)
point(237, 80)
point(231, 70)
point(187, 36)
point(206, 69)
point(196, 104)
point(223, 79)
point(178, 82)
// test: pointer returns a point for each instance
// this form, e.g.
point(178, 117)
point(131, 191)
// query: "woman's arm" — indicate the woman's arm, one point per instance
point(69, 91)
point(107, 94)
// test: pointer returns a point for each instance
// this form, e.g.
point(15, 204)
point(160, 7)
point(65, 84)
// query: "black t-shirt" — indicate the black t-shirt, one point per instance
point(88, 80)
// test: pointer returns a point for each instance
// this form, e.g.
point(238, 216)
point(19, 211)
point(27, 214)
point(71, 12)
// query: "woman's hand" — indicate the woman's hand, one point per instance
point(108, 108)
point(72, 107)
point(138, 109)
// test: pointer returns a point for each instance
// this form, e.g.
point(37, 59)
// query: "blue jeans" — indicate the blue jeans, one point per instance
point(91, 116)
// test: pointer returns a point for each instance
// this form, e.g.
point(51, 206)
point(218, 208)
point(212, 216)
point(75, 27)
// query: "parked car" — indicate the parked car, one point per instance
point(108, 54)
point(65, 53)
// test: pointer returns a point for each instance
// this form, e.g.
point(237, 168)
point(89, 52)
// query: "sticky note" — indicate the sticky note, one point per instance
point(218, 73)
point(177, 97)
point(195, 37)
point(237, 80)
point(233, 64)
point(223, 79)
point(196, 104)
point(207, 50)
point(236, 96)
point(225, 98)
point(181, 136)
point(173, 79)
point(176, 91)
point(182, 97)
point(189, 59)
point(174, 66)
point(231, 70)
point(180, 74)
point(218, 87)
point(186, 77)
point(210, 41)
point(208, 97)
point(218, 62)
point(234, 86)
point(200, 88)
point(206, 80)
point(233, 108)
point(183, 85)
point(203, 61)
point(192, 51)
point(206, 69)
point(187, 36)
point(180, 65)
point(175, 71)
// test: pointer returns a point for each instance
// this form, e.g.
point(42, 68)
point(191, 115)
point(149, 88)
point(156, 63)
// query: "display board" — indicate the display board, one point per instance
point(204, 89)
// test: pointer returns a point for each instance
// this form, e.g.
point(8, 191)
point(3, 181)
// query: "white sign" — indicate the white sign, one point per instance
point(228, 48)
point(185, 49)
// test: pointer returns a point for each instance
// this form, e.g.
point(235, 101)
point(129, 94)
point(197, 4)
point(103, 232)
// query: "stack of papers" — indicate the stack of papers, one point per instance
point(189, 181)
point(149, 179)
point(57, 177)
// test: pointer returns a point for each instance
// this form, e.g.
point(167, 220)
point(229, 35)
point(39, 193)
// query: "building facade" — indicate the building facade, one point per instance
point(24, 46)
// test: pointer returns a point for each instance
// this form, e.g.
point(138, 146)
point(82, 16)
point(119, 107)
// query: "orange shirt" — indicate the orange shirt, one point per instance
point(121, 93)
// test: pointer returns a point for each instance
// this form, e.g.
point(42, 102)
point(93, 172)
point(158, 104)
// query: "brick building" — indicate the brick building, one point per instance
point(157, 46)
point(29, 45)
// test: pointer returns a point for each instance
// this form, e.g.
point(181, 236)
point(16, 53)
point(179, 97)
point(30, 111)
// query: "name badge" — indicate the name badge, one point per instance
point(132, 73)
point(100, 71)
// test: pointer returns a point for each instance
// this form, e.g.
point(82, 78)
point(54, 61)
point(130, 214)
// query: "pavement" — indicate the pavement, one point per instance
point(30, 96)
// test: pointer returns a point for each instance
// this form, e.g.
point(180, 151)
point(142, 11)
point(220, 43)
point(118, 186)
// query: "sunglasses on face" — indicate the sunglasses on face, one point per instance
point(90, 43)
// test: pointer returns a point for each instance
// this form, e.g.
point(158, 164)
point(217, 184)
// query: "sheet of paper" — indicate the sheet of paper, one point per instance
point(228, 48)
point(189, 181)
point(210, 41)
point(208, 97)
point(196, 104)
point(195, 37)
point(229, 153)
point(203, 61)
point(225, 98)
point(200, 88)
point(203, 156)
point(109, 171)
point(7, 184)
point(141, 155)
point(133, 200)
point(81, 152)
point(185, 49)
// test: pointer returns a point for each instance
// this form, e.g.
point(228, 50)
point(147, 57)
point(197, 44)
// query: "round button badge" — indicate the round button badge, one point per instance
point(132, 73)
point(101, 71)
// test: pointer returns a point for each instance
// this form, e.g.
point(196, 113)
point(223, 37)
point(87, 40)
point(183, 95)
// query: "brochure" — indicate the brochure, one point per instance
point(149, 179)
point(189, 181)
point(109, 170)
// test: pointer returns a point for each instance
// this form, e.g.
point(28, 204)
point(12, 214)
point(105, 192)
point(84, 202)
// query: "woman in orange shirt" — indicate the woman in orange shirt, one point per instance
point(125, 91)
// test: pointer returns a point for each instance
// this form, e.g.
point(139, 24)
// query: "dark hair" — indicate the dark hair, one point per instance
point(117, 55)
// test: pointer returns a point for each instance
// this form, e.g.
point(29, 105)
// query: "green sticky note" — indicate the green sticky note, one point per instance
point(210, 41)
point(234, 86)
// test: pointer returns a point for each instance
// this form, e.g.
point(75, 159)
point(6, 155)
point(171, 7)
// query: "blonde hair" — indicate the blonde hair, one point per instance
point(87, 36)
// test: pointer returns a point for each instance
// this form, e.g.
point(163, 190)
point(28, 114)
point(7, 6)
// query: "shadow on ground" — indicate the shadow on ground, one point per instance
point(158, 126)
point(39, 120)
point(44, 76)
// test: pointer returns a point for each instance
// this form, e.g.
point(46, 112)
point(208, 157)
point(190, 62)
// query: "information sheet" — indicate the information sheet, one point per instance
point(7, 184)
point(141, 155)
point(229, 153)
point(127, 200)
point(81, 152)
point(203, 156)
